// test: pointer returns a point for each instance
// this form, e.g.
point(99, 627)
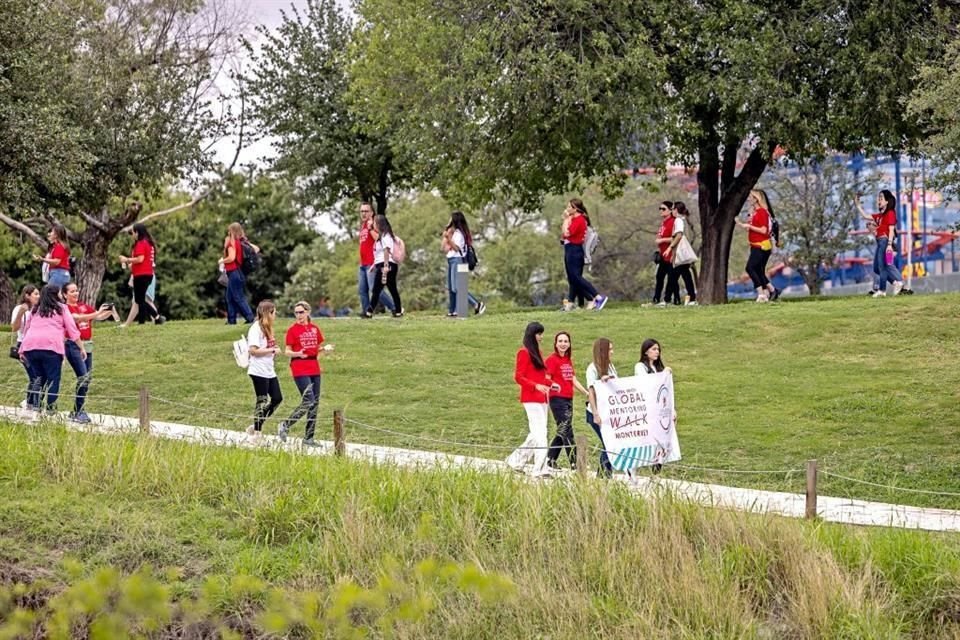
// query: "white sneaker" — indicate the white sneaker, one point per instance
point(661, 304)
point(692, 303)
point(880, 294)
point(762, 299)
point(897, 287)
point(251, 430)
point(569, 306)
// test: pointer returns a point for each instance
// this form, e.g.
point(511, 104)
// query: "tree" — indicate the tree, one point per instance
point(529, 97)
point(936, 101)
point(137, 84)
point(815, 206)
point(298, 88)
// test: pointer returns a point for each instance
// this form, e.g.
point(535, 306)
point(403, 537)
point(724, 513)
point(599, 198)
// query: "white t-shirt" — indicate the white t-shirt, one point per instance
point(459, 242)
point(679, 226)
point(23, 321)
point(260, 366)
point(385, 241)
point(641, 369)
point(593, 378)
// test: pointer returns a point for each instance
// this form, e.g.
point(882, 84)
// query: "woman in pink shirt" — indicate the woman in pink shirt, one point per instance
point(43, 348)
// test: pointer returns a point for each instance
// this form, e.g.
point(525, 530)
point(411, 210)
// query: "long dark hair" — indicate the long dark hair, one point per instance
point(681, 209)
point(577, 204)
point(49, 304)
point(141, 232)
point(656, 365)
point(458, 221)
point(26, 292)
point(531, 345)
point(382, 225)
point(890, 199)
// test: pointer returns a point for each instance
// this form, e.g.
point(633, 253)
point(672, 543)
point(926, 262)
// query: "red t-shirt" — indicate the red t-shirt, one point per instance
point(561, 371)
point(884, 221)
point(665, 231)
point(147, 250)
point(577, 229)
point(366, 246)
point(237, 260)
point(60, 252)
point(528, 376)
point(306, 338)
point(85, 326)
point(760, 218)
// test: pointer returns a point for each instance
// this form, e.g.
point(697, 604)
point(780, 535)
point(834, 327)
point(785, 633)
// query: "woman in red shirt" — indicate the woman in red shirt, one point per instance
point(761, 246)
point(886, 230)
point(232, 261)
point(303, 345)
point(141, 262)
point(57, 260)
point(530, 373)
point(564, 379)
point(575, 223)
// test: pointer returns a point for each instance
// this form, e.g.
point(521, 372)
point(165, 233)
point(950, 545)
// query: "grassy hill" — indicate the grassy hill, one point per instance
point(330, 547)
point(868, 387)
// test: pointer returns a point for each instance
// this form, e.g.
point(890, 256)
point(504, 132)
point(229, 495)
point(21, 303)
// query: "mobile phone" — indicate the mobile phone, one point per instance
point(555, 387)
point(108, 305)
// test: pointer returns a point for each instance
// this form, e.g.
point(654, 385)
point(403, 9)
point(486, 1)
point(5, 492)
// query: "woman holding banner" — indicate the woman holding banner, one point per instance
point(651, 362)
point(600, 370)
point(531, 374)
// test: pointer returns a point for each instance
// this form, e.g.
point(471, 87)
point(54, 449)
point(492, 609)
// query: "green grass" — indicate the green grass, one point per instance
point(868, 387)
point(585, 559)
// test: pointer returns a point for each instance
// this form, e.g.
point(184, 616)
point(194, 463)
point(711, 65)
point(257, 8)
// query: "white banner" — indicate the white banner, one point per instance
point(636, 420)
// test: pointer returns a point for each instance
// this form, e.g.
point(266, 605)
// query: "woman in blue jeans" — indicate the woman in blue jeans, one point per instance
point(456, 239)
point(574, 232)
point(884, 263)
point(232, 262)
point(57, 261)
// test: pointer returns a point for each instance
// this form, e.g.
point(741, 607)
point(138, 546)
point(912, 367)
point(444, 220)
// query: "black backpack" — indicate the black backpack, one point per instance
point(250, 260)
point(471, 256)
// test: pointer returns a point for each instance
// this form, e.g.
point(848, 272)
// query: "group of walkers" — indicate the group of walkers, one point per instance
point(548, 385)
point(675, 227)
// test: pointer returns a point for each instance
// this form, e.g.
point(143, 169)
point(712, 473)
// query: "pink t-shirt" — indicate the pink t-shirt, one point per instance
point(46, 334)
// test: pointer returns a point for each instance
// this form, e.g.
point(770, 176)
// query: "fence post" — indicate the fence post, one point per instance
point(581, 442)
point(339, 439)
point(144, 409)
point(811, 489)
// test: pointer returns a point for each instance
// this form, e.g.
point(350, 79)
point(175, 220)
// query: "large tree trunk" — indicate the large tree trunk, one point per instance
point(93, 265)
point(8, 297)
point(721, 194)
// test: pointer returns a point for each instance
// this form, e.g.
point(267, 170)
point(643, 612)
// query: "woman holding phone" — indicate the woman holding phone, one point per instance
point(885, 222)
point(304, 341)
point(563, 380)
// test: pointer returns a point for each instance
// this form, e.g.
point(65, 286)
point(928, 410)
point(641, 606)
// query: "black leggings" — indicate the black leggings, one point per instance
point(665, 276)
point(140, 286)
point(269, 398)
point(562, 409)
point(757, 267)
point(681, 271)
point(391, 286)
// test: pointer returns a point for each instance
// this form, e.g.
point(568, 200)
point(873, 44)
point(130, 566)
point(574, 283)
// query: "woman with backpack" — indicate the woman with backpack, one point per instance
point(562, 373)
point(761, 245)
point(141, 261)
point(574, 233)
point(232, 261)
point(530, 372)
point(56, 263)
point(456, 242)
point(263, 349)
point(42, 348)
point(885, 222)
point(385, 267)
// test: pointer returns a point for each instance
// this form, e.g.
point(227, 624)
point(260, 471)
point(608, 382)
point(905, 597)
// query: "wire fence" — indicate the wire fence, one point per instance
point(115, 405)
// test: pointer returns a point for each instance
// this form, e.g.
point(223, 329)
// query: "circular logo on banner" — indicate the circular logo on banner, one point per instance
point(664, 414)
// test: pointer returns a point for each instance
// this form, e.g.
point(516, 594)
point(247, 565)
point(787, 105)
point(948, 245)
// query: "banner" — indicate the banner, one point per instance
point(636, 420)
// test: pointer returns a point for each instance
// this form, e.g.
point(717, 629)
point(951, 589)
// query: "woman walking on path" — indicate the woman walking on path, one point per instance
point(232, 262)
point(84, 315)
point(651, 362)
point(758, 235)
point(600, 370)
point(43, 347)
point(886, 231)
point(29, 297)
point(575, 223)
point(564, 379)
point(385, 268)
point(530, 373)
point(456, 238)
point(141, 261)
point(664, 267)
point(680, 230)
point(56, 263)
point(263, 349)
point(303, 344)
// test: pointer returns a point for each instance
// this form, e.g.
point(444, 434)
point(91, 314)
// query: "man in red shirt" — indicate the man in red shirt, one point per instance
point(84, 315)
point(664, 264)
point(367, 237)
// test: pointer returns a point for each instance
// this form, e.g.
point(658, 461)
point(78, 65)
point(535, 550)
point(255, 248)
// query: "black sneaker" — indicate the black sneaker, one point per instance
point(159, 320)
point(657, 468)
point(776, 294)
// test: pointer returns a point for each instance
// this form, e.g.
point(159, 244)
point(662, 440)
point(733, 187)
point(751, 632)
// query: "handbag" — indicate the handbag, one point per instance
point(683, 253)
point(15, 351)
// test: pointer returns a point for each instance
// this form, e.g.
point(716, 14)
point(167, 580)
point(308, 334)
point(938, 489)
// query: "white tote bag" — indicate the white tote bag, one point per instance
point(683, 253)
point(241, 352)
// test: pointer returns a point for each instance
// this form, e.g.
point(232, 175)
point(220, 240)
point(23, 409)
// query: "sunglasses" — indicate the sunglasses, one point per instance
point(299, 312)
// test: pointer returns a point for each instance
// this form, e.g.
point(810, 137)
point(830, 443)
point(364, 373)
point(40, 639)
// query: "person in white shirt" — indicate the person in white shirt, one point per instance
point(29, 297)
point(600, 370)
point(385, 267)
point(456, 238)
point(680, 217)
point(263, 349)
point(651, 362)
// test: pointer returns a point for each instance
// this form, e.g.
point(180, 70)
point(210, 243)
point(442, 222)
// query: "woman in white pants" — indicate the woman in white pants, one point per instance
point(531, 374)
